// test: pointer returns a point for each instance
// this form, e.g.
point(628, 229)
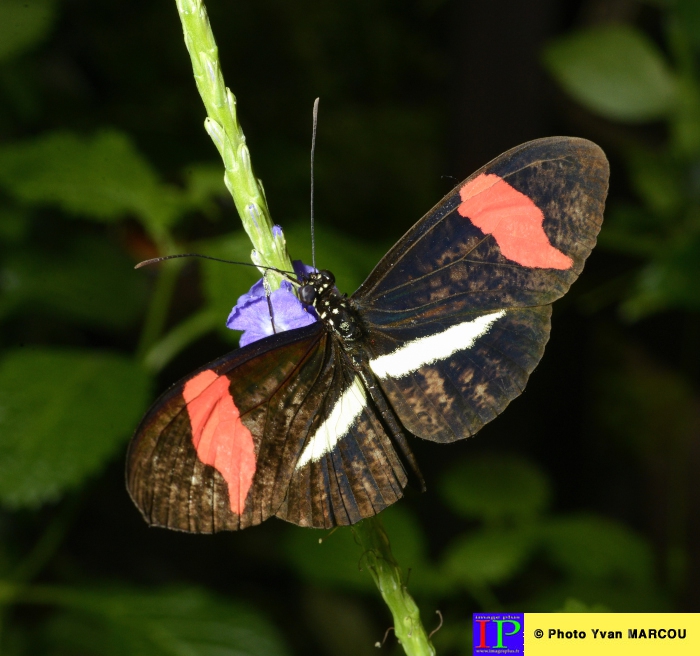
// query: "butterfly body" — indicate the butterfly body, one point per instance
point(334, 310)
point(310, 425)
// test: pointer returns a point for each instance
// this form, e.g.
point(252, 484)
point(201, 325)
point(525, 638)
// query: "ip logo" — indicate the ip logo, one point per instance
point(498, 633)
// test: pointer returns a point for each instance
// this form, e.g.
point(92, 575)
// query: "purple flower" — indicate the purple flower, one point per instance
point(302, 270)
point(251, 313)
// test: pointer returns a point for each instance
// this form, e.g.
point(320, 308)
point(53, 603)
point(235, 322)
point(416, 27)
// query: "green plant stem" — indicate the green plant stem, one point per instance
point(158, 307)
point(32, 564)
point(270, 250)
point(387, 575)
point(165, 349)
point(225, 131)
point(51, 595)
point(49, 541)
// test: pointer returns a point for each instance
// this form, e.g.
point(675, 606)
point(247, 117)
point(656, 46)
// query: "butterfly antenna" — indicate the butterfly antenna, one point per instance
point(155, 260)
point(313, 153)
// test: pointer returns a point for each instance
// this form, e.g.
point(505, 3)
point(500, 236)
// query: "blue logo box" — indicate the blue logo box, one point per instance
point(498, 634)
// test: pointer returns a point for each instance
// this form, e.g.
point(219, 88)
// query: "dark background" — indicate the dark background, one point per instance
point(414, 97)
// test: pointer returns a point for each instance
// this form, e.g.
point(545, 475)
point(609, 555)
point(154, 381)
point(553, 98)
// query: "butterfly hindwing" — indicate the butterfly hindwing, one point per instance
point(473, 369)
point(222, 449)
point(469, 287)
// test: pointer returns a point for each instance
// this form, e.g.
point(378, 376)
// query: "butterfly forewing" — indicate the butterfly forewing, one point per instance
point(193, 462)
point(469, 286)
point(222, 449)
point(446, 264)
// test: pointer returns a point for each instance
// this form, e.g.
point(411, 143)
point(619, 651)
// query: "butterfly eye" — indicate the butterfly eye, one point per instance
point(307, 294)
point(327, 278)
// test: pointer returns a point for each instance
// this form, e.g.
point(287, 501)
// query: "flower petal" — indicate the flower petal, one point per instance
point(251, 313)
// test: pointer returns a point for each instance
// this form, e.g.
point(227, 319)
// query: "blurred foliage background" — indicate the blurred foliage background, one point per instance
point(582, 496)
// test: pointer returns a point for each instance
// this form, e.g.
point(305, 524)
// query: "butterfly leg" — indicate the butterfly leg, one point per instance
point(268, 297)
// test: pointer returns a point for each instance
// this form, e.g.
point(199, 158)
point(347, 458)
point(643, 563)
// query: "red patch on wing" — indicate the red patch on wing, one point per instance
point(218, 434)
point(515, 222)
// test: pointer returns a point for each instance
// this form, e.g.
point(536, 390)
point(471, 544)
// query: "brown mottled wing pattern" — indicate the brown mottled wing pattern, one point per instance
point(446, 271)
point(455, 397)
point(357, 478)
point(282, 386)
point(165, 476)
point(167, 482)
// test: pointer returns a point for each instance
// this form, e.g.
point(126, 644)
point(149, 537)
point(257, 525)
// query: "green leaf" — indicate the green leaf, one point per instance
point(595, 548)
point(176, 622)
point(635, 396)
point(670, 280)
point(93, 283)
point(615, 71)
point(102, 178)
point(489, 556)
point(63, 413)
point(495, 488)
point(23, 24)
point(327, 559)
point(15, 640)
point(202, 183)
point(224, 283)
point(685, 126)
point(632, 229)
point(14, 225)
point(572, 605)
point(657, 180)
point(597, 596)
point(688, 12)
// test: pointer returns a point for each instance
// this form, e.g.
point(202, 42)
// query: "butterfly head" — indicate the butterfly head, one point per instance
point(318, 289)
point(317, 285)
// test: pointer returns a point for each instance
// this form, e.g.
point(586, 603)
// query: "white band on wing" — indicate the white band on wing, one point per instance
point(342, 416)
point(426, 350)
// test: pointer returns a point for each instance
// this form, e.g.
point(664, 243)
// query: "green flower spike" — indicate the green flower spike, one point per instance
point(270, 250)
point(386, 573)
point(222, 126)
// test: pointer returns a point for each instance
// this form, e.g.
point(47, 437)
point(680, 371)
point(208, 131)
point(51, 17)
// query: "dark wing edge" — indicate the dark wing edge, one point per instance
point(445, 273)
point(165, 478)
point(454, 397)
point(359, 476)
point(284, 387)
point(584, 205)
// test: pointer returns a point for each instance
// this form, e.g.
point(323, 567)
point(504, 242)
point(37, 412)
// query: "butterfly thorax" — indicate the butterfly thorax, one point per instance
point(333, 308)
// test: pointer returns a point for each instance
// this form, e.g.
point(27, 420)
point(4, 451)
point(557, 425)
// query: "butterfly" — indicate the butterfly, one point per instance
point(310, 425)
